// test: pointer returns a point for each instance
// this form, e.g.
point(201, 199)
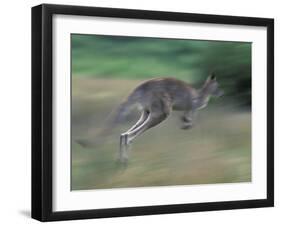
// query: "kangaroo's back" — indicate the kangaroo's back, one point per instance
point(179, 92)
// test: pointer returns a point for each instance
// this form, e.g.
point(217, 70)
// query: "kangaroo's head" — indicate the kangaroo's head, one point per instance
point(211, 87)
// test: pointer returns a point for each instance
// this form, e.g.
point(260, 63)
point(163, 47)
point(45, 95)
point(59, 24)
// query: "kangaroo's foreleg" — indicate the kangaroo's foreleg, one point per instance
point(187, 119)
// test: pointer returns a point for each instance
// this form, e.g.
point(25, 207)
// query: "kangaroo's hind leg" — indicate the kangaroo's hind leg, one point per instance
point(158, 112)
point(124, 142)
point(153, 119)
point(143, 117)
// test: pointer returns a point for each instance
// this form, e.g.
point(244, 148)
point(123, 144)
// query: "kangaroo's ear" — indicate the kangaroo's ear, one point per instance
point(212, 77)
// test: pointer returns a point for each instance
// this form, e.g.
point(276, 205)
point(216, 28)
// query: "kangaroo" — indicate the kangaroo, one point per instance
point(156, 99)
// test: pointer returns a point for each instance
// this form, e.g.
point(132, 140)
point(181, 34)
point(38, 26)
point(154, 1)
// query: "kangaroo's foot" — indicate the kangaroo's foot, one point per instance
point(124, 148)
point(187, 122)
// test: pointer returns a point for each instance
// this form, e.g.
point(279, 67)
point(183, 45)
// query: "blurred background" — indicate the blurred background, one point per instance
point(105, 69)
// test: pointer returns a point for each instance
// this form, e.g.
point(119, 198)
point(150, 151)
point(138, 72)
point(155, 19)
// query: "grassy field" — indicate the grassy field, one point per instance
point(216, 150)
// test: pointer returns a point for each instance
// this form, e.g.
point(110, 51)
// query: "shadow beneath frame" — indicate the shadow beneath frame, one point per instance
point(25, 213)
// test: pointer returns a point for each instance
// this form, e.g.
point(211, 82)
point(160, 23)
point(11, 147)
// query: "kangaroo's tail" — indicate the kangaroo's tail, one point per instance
point(119, 113)
point(116, 116)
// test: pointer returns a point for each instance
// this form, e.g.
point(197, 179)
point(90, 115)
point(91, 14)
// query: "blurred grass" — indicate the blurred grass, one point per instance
point(142, 58)
point(216, 150)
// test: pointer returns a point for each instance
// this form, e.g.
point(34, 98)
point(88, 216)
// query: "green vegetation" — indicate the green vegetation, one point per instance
point(117, 57)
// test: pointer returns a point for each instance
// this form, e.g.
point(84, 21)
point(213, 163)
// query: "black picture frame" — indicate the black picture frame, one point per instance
point(42, 107)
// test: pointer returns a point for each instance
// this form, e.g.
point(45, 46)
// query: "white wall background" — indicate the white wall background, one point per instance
point(15, 119)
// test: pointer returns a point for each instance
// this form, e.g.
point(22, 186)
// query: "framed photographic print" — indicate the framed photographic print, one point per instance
point(140, 112)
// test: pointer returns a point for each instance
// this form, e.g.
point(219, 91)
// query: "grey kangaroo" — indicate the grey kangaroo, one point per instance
point(156, 98)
